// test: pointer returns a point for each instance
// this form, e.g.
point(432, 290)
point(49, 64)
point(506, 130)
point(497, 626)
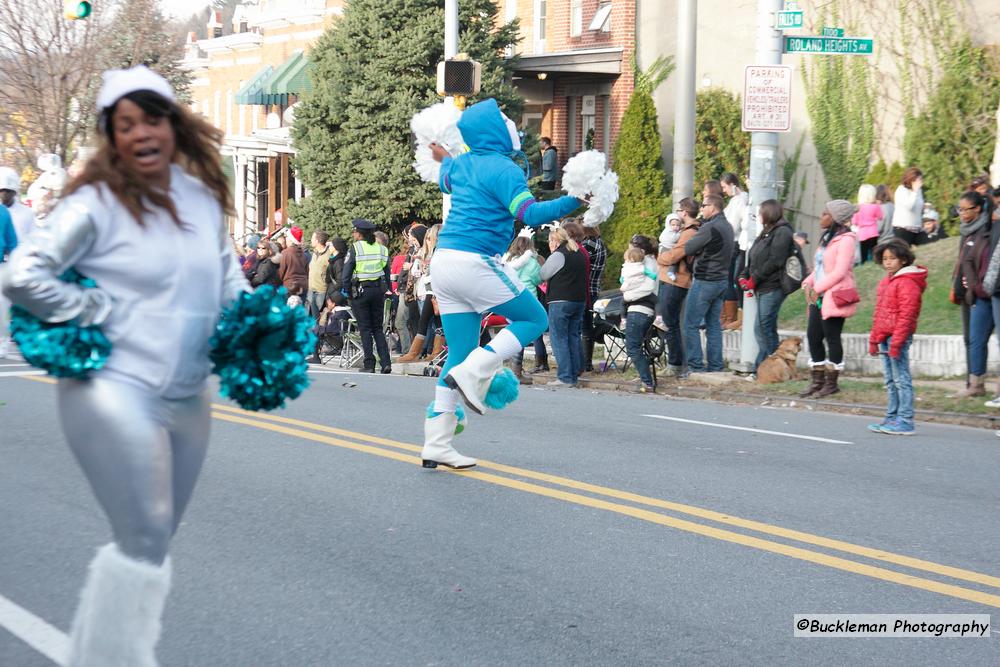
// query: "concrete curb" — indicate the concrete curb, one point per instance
point(723, 395)
point(606, 382)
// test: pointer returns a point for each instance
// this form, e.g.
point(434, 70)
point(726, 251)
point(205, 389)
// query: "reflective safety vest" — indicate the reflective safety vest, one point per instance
point(369, 260)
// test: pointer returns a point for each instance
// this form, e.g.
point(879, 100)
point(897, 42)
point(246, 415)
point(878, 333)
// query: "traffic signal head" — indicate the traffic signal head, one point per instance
point(75, 10)
point(458, 77)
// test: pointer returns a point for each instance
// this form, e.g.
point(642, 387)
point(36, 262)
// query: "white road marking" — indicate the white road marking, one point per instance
point(11, 365)
point(34, 632)
point(20, 373)
point(752, 430)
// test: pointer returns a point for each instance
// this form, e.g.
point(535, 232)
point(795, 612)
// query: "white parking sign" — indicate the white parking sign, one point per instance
point(767, 98)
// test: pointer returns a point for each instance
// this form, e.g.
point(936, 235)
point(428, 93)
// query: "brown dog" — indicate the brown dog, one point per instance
point(780, 366)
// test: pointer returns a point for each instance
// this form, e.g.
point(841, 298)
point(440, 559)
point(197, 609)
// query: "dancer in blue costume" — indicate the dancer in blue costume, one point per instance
point(489, 191)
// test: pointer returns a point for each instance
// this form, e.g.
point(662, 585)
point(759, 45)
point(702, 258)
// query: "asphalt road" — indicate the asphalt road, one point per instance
point(590, 534)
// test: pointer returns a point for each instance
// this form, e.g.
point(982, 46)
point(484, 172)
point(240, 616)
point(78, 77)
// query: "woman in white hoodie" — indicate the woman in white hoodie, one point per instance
point(638, 285)
point(139, 426)
point(737, 212)
point(907, 216)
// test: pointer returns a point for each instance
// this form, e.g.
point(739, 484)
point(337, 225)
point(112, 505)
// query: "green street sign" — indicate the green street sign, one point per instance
point(833, 32)
point(845, 46)
point(788, 19)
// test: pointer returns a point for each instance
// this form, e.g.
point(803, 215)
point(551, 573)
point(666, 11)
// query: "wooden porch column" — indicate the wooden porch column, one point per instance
point(283, 168)
point(272, 167)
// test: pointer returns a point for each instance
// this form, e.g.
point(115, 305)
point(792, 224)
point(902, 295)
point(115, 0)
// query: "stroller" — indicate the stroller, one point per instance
point(609, 330)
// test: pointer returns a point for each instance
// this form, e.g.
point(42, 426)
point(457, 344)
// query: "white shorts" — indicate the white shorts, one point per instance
point(467, 282)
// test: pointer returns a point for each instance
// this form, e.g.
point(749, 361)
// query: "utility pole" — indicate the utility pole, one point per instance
point(450, 51)
point(450, 29)
point(687, 25)
point(763, 168)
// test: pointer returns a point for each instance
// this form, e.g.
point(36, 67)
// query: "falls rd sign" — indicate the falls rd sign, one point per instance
point(788, 19)
point(767, 98)
point(846, 46)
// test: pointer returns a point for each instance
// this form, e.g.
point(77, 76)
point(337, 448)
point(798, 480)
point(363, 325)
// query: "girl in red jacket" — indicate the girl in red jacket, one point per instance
point(897, 309)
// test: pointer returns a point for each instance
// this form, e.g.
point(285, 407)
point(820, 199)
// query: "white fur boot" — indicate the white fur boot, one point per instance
point(118, 621)
point(438, 434)
point(473, 376)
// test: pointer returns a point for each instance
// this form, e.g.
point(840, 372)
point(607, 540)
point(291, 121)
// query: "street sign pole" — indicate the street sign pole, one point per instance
point(684, 104)
point(763, 170)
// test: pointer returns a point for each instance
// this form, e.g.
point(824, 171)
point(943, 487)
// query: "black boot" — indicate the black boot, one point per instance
point(588, 354)
point(315, 359)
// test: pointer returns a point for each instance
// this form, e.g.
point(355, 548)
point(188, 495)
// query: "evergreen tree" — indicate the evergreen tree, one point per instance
point(952, 139)
point(642, 202)
point(374, 69)
point(721, 145)
point(144, 36)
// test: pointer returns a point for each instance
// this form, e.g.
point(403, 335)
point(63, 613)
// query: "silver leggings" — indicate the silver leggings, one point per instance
point(140, 453)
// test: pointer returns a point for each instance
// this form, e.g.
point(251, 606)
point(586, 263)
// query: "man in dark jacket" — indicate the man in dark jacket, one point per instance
point(712, 246)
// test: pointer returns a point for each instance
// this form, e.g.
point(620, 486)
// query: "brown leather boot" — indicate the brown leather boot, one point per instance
point(438, 345)
point(829, 384)
point(728, 313)
point(818, 378)
point(977, 387)
point(414, 353)
point(517, 365)
point(736, 323)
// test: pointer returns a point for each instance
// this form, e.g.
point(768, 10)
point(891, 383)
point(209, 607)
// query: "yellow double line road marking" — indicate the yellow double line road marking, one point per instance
point(275, 423)
point(377, 447)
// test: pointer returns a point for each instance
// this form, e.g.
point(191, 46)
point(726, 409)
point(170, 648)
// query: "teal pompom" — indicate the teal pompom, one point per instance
point(259, 349)
point(459, 414)
point(503, 390)
point(62, 349)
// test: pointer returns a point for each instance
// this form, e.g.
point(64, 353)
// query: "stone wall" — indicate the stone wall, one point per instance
point(930, 356)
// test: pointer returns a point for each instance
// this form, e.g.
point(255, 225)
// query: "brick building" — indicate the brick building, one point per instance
point(575, 68)
point(247, 78)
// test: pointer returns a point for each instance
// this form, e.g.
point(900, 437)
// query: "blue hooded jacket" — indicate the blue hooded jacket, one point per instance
point(8, 237)
point(488, 189)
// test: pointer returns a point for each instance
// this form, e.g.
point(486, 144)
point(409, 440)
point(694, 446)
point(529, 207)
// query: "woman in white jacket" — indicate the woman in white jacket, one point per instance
point(151, 234)
point(638, 285)
point(737, 212)
point(907, 217)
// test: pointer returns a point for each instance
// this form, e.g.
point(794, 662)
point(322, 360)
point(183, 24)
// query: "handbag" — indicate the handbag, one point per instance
point(846, 297)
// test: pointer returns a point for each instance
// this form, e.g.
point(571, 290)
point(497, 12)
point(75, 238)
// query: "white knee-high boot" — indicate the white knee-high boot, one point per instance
point(118, 621)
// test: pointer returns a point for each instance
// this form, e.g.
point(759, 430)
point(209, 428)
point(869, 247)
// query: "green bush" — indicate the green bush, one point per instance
point(720, 144)
point(888, 175)
point(951, 140)
point(638, 161)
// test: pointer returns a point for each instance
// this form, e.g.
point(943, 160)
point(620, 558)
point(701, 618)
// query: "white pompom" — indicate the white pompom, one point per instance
point(585, 176)
point(602, 201)
point(437, 124)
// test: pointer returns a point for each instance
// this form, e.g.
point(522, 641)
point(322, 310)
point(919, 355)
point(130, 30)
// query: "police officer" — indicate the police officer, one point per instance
point(366, 274)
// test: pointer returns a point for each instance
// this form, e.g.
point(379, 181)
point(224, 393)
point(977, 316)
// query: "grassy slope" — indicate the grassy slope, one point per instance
point(937, 316)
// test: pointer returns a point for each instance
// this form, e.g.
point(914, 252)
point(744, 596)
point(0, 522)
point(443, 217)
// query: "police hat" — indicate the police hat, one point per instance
point(363, 225)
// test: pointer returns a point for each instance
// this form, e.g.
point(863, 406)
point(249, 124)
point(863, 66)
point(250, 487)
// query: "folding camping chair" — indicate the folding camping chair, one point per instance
point(351, 354)
point(612, 337)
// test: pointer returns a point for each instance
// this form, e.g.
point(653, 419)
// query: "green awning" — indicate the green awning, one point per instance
point(292, 78)
point(252, 92)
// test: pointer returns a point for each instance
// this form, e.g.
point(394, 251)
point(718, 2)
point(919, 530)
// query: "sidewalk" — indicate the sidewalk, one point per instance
point(860, 394)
